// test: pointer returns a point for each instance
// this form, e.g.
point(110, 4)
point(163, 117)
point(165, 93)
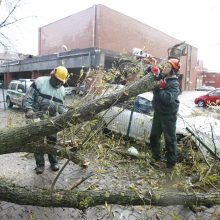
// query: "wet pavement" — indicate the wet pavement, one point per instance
point(21, 171)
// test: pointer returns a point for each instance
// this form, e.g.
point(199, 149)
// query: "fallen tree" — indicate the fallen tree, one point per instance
point(84, 199)
point(84, 112)
point(25, 140)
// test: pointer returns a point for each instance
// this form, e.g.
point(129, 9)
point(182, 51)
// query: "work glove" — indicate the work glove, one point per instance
point(155, 70)
point(152, 69)
point(162, 84)
point(30, 114)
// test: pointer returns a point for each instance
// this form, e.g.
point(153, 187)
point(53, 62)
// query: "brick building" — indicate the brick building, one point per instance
point(211, 78)
point(101, 29)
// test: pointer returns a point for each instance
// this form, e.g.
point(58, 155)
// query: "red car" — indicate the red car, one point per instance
point(211, 98)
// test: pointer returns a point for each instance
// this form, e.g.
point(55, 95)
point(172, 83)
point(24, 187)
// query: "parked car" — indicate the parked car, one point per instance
point(71, 90)
point(205, 88)
point(82, 89)
point(211, 98)
point(117, 119)
point(16, 91)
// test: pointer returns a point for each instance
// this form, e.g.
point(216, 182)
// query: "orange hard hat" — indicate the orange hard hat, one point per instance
point(175, 63)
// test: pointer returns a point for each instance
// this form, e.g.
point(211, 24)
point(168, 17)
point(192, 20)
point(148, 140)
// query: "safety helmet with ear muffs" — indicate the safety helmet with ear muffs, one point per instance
point(175, 64)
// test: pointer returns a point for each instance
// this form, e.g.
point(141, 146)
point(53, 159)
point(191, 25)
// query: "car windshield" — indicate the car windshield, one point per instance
point(143, 105)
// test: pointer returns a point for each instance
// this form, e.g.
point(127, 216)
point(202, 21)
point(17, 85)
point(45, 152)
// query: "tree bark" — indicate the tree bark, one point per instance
point(84, 199)
point(87, 111)
point(51, 149)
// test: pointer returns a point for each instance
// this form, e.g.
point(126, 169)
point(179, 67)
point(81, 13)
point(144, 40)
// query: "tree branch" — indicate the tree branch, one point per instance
point(2, 24)
point(83, 199)
point(87, 111)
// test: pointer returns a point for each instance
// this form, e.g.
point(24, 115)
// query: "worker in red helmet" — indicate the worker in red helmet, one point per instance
point(166, 105)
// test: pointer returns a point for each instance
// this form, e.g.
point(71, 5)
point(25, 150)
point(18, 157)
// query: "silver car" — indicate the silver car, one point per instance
point(117, 118)
point(71, 90)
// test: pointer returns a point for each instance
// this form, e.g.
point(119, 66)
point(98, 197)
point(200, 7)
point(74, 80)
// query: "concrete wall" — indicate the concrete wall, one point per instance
point(102, 27)
point(75, 31)
point(119, 32)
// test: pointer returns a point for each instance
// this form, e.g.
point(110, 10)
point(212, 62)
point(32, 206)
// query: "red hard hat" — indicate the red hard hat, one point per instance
point(175, 63)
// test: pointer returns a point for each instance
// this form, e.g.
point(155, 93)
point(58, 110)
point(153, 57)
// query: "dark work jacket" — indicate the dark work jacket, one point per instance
point(165, 101)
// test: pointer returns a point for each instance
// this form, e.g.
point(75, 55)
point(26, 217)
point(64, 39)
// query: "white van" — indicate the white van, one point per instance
point(16, 91)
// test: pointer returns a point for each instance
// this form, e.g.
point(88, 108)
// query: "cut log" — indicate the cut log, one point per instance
point(84, 199)
point(29, 133)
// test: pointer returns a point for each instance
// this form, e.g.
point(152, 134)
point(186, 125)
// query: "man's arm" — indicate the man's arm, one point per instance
point(28, 101)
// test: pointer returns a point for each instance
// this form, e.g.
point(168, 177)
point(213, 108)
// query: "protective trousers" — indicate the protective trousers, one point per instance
point(39, 157)
point(165, 124)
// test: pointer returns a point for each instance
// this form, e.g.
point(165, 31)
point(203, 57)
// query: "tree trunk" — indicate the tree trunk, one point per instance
point(84, 199)
point(32, 132)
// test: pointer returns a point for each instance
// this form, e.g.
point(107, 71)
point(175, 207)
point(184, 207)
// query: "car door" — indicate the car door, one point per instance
point(19, 94)
point(141, 119)
point(214, 98)
point(118, 118)
point(12, 92)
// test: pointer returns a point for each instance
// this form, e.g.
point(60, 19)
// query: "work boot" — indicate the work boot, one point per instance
point(157, 164)
point(54, 167)
point(169, 168)
point(39, 169)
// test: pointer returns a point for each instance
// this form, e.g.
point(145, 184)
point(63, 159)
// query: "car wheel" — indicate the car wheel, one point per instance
point(106, 131)
point(73, 92)
point(201, 103)
point(9, 103)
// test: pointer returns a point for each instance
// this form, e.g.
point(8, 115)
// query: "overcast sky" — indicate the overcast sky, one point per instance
point(195, 21)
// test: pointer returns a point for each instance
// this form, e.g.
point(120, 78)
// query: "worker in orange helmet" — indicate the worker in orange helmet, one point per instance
point(166, 104)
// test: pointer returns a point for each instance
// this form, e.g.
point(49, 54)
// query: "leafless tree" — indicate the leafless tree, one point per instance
point(8, 18)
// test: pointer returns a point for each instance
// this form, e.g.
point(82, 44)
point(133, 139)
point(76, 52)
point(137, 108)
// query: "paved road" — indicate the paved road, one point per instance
point(18, 167)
